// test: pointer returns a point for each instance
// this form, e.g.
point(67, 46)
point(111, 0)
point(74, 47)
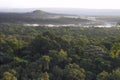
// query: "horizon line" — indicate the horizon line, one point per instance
point(62, 8)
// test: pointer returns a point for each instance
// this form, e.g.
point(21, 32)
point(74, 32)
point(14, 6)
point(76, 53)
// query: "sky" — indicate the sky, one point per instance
point(89, 4)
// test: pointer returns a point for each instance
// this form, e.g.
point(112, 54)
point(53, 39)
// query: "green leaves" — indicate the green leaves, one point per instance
point(103, 76)
point(9, 75)
point(115, 50)
point(10, 45)
point(115, 74)
point(74, 72)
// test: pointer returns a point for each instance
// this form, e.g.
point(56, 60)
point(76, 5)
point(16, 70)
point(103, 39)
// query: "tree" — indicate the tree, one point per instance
point(45, 60)
point(62, 55)
point(94, 51)
point(103, 76)
point(115, 50)
point(57, 72)
point(5, 58)
point(115, 74)
point(44, 76)
point(42, 44)
point(102, 64)
point(74, 72)
point(20, 62)
point(90, 76)
point(59, 57)
point(9, 76)
point(10, 45)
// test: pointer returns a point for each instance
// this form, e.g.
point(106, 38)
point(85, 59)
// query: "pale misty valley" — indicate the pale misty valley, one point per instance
point(50, 43)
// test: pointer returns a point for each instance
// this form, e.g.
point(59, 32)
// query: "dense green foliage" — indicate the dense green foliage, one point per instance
point(59, 53)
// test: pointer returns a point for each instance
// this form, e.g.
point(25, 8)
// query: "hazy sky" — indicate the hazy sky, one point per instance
point(90, 4)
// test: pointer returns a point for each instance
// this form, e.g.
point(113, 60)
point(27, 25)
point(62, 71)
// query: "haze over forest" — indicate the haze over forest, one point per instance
point(73, 11)
point(61, 17)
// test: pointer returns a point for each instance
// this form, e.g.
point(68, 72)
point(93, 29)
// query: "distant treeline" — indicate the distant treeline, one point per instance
point(91, 32)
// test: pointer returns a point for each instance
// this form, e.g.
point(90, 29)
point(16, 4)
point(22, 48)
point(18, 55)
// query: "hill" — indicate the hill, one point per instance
point(40, 17)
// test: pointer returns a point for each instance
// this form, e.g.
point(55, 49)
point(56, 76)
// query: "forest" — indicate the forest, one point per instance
point(59, 53)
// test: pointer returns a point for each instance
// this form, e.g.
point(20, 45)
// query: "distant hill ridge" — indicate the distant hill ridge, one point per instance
point(39, 16)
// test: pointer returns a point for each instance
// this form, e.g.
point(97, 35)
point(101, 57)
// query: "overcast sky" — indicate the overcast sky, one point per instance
point(89, 4)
